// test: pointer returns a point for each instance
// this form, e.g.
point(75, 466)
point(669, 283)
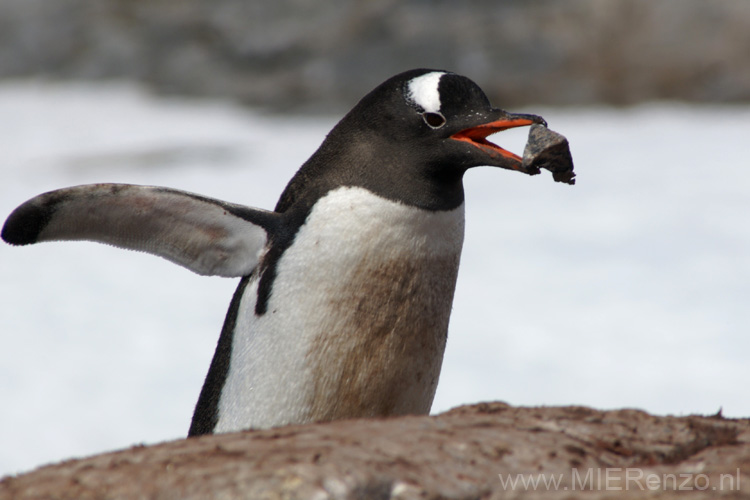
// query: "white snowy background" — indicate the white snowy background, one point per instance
point(630, 289)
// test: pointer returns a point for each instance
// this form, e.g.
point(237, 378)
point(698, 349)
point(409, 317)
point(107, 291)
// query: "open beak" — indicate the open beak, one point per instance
point(477, 137)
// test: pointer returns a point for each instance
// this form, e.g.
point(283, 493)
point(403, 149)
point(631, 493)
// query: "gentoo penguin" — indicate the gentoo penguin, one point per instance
point(346, 286)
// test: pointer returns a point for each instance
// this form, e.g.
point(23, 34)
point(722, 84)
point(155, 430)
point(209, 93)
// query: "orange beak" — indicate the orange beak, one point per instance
point(477, 137)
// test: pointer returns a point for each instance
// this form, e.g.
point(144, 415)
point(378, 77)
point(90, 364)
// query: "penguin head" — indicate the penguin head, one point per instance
point(412, 138)
point(438, 115)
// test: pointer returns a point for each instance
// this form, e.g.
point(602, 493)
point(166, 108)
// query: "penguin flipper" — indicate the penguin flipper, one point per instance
point(207, 236)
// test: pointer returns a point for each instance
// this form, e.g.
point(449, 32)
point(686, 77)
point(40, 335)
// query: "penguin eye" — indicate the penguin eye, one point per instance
point(434, 120)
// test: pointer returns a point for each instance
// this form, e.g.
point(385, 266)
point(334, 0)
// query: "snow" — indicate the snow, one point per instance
point(630, 289)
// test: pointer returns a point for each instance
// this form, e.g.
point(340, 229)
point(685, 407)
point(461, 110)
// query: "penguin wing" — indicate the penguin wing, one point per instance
point(207, 236)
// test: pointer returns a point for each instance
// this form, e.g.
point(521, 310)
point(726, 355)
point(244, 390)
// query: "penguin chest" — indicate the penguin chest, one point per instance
point(357, 316)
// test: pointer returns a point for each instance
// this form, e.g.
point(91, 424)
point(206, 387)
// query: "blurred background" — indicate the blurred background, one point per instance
point(297, 55)
point(630, 289)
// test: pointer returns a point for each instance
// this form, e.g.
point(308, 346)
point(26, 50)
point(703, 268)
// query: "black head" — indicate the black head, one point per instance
point(411, 139)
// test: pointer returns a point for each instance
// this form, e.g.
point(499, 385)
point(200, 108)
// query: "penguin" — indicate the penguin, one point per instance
point(346, 287)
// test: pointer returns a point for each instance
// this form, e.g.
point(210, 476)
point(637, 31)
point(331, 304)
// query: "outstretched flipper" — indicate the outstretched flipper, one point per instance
point(207, 236)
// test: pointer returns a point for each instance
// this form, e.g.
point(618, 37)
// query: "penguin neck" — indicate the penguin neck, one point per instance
point(393, 173)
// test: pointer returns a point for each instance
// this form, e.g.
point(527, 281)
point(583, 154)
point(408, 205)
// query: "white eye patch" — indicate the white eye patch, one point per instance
point(423, 91)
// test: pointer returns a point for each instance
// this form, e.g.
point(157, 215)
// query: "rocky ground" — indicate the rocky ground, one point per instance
point(489, 450)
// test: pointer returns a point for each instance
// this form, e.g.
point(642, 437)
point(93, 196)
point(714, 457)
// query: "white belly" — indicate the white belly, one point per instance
point(357, 318)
